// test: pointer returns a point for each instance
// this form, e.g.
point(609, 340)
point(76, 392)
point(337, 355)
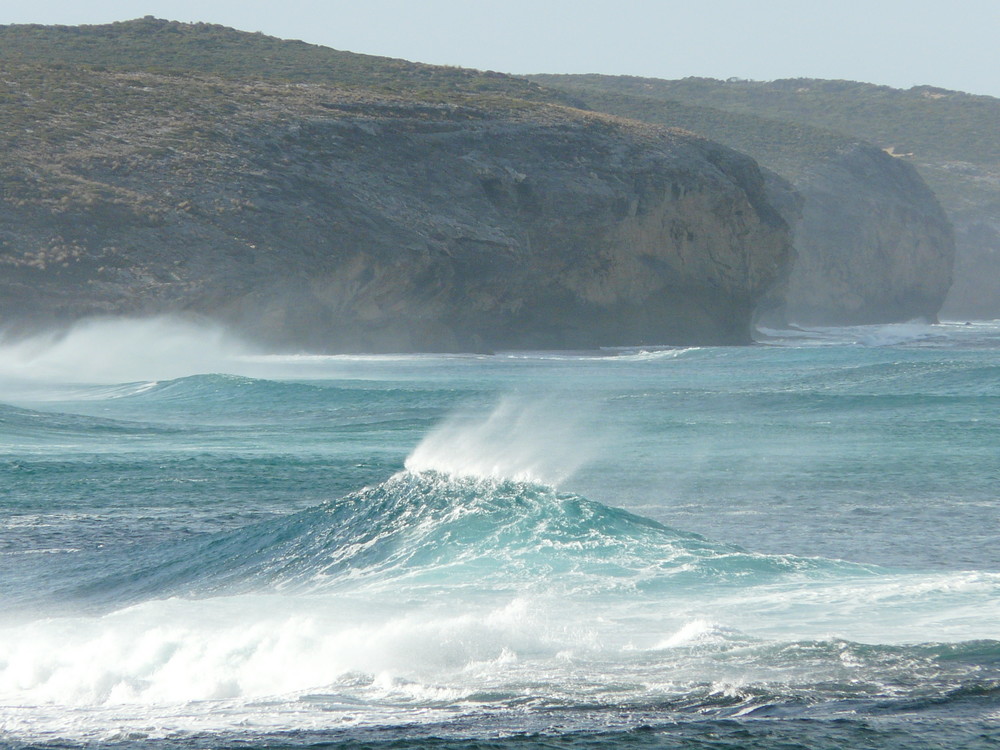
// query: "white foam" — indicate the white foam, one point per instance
point(298, 661)
point(888, 334)
point(254, 647)
point(698, 632)
point(897, 333)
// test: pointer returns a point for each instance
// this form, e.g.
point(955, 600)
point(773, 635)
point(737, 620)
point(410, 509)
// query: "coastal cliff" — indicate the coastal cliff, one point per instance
point(873, 243)
point(315, 217)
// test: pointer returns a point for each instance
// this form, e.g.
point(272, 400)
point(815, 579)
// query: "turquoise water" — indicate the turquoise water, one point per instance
point(792, 544)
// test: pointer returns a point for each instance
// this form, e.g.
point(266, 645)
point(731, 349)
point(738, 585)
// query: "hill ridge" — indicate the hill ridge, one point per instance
point(182, 47)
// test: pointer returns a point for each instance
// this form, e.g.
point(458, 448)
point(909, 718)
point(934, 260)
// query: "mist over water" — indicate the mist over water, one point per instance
point(210, 546)
point(117, 350)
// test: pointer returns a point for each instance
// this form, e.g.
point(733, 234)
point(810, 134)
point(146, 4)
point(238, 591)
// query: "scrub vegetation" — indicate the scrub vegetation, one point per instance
point(158, 46)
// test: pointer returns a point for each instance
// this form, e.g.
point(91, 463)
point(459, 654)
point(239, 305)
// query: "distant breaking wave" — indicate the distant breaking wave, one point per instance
point(121, 350)
point(911, 333)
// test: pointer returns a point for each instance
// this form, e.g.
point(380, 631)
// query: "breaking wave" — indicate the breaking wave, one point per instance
point(434, 533)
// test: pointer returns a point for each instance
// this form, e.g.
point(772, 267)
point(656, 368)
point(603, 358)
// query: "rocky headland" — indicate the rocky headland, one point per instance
point(873, 243)
point(948, 137)
point(314, 216)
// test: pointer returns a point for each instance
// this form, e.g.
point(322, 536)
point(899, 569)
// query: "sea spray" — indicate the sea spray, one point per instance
point(542, 439)
point(121, 350)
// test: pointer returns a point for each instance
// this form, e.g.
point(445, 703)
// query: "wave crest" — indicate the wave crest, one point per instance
point(437, 534)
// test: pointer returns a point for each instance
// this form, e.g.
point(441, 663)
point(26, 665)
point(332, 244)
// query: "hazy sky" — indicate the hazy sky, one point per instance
point(902, 43)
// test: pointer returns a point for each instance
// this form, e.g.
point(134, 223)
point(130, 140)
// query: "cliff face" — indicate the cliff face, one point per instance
point(309, 217)
point(873, 243)
point(976, 291)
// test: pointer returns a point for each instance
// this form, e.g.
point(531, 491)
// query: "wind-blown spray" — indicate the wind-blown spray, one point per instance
point(117, 350)
point(528, 440)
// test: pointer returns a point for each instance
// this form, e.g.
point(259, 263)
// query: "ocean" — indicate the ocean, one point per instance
point(787, 545)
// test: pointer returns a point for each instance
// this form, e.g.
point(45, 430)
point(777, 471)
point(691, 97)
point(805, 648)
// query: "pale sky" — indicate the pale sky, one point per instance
point(952, 44)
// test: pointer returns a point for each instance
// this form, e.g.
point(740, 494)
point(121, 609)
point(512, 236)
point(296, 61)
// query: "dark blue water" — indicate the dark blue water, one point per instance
point(780, 546)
